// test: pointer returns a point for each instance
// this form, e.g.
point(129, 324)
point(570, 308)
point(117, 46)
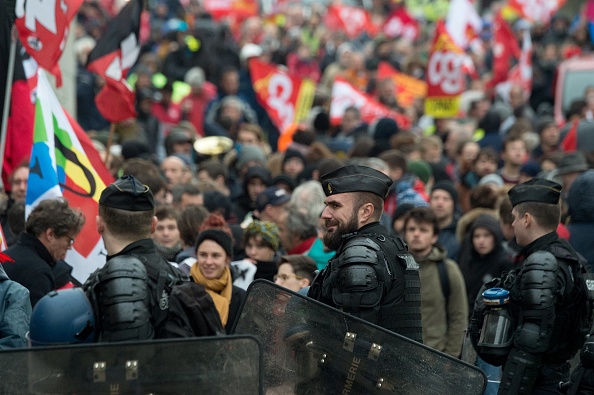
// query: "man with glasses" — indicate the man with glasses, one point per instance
point(295, 272)
point(49, 233)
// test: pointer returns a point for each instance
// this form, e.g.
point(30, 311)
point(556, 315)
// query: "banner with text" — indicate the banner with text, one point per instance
point(445, 77)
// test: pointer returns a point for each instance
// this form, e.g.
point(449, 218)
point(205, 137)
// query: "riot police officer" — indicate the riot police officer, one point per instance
point(545, 294)
point(372, 275)
point(127, 293)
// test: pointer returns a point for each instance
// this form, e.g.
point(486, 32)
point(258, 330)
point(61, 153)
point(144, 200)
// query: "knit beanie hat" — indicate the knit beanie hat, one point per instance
point(421, 169)
point(293, 153)
point(250, 153)
point(266, 230)
point(384, 129)
point(219, 237)
point(447, 186)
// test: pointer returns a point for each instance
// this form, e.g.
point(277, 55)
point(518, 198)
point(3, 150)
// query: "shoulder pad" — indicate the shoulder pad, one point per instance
point(123, 266)
point(359, 250)
point(541, 260)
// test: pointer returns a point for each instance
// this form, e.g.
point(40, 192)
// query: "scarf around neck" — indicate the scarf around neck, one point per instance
point(220, 289)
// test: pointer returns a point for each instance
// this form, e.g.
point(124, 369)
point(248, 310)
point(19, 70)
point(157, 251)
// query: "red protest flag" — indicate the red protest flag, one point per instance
point(445, 77)
point(19, 131)
point(286, 99)
point(408, 88)
point(352, 20)
point(113, 56)
point(43, 29)
point(401, 24)
point(521, 73)
point(345, 95)
point(505, 49)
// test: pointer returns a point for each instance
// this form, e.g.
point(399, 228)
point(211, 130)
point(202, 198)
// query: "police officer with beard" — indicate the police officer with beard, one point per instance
point(372, 275)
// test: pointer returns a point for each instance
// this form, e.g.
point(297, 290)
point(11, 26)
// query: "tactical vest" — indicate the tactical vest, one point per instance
point(373, 277)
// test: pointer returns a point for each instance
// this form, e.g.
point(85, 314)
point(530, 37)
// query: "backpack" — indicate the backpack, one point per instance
point(184, 308)
point(581, 320)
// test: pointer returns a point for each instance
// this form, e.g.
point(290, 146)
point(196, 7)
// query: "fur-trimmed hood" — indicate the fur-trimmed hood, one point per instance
point(467, 219)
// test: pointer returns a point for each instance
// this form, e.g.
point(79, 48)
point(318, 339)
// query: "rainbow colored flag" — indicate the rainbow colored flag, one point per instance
point(64, 163)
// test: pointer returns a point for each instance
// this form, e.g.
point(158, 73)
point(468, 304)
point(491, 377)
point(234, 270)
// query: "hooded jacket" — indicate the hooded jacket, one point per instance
point(478, 269)
point(443, 325)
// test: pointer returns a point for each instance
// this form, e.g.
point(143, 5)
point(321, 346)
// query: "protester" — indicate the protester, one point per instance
point(214, 252)
point(50, 231)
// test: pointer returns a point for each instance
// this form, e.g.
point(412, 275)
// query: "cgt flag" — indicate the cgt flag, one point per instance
point(113, 56)
point(43, 29)
point(445, 77)
point(286, 99)
point(64, 163)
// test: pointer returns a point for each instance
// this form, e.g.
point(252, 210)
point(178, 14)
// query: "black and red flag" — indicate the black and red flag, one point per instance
point(113, 56)
point(19, 132)
point(43, 29)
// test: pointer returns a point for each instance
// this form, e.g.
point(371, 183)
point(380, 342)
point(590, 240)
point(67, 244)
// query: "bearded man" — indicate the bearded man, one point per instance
point(372, 276)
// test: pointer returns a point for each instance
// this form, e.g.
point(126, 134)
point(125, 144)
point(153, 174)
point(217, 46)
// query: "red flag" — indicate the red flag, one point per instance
point(400, 24)
point(43, 29)
point(408, 88)
point(445, 79)
point(352, 20)
point(521, 73)
point(345, 95)
point(19, 132)
point(287, 99)
point(505, 48)
point(113, 56)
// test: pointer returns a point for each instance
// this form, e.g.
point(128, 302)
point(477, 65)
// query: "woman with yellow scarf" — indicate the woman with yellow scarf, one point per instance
point(214, 251)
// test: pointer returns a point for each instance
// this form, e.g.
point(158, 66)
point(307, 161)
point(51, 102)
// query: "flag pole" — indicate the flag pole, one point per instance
point(109, 143)
point(7, 95)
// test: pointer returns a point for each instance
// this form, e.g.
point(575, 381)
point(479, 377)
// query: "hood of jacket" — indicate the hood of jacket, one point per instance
point(467, 219)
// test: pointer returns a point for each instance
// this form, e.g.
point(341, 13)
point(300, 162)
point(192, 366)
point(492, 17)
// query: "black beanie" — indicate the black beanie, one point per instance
point(447, 186)
point(219, 237)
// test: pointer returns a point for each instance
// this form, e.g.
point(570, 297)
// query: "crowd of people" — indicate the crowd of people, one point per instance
point(257, 212)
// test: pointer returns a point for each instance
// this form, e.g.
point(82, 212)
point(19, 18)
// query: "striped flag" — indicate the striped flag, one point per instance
point(65, 163)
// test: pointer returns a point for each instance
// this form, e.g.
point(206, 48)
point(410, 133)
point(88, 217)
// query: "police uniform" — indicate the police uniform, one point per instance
point(123, 292)
point(372, 276)
point(542, 304)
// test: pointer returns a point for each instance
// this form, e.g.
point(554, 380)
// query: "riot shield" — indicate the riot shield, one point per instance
point(311, 348)
point(210, 365)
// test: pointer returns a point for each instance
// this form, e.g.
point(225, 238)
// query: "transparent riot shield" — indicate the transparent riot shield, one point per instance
point(210, 365)
point(310, 348)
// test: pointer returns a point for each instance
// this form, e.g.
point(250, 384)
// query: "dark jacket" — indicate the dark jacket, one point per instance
point(15, 311)
point(477, 269)
point(581, 211)
point(32, 266)
point(447, 238)
point(237, 298)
